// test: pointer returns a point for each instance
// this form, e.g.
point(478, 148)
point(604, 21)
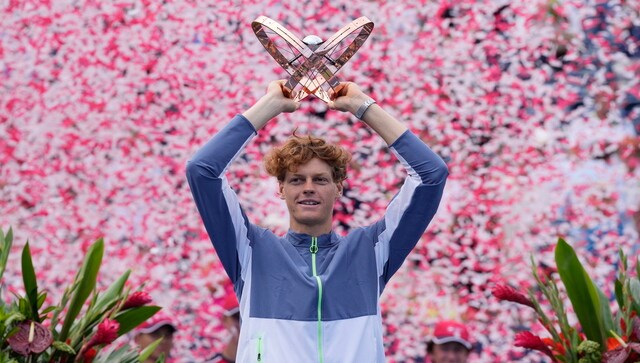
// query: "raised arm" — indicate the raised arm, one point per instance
point(217, 203)
point(411, 210)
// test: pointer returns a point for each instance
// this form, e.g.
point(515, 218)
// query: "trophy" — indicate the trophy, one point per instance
point(311, 63)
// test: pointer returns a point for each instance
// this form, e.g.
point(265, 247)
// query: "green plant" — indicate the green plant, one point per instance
point(600, 336)
point(81, 325)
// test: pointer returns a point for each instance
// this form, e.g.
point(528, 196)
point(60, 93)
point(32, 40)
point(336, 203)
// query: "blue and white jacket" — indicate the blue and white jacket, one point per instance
point(311, 298)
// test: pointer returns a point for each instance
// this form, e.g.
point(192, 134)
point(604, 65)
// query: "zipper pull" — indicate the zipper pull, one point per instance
point(314, 245)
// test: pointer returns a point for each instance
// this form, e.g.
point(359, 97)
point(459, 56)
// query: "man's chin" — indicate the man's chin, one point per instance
point(310, 221)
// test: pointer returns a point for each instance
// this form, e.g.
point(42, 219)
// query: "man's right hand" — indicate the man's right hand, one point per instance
point(273, 103)
point(281, 96)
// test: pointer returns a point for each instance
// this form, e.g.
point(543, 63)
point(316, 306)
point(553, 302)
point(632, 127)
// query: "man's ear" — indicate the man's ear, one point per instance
point(281, 190)
point(340, 189)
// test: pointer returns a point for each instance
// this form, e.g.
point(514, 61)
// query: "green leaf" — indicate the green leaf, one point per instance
point(131, 318)
point(13, 330)
point(634, 289)
point(41, 299)
point(48, 310)
point(30, 283)
point(86, 279)
point(623, 260)
point(146, 352)
point(123, 354)
point(619, 293)
point(5, 357)
point(23, 306)
point(605, 308)
point(636, 308)
point(111, 295)
point(585, 297)
point(61, 306)
point(100, 305)
point(63, 347)
point(5, 248)
point(14, 316)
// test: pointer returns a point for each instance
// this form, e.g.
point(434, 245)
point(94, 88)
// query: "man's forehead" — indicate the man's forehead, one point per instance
point(309, 173)
point(313, 166)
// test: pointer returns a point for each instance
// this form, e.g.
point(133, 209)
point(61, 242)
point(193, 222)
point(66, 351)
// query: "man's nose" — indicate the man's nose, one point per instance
point(308, 186)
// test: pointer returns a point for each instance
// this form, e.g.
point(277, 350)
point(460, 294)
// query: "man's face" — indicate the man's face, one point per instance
point(451, 352)
point(310, 194)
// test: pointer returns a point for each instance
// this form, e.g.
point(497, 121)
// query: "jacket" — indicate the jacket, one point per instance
point(311, 298)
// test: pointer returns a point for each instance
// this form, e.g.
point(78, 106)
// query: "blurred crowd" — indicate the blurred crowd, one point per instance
point(534, 105)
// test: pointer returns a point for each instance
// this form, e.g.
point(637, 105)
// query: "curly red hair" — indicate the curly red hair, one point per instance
point(298, 150)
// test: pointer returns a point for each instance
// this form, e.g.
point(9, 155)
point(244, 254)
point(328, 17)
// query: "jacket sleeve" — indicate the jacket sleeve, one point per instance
point(409, 213)
point(217, 203)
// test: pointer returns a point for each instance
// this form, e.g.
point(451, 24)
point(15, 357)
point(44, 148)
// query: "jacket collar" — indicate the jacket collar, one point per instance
point(303, 239)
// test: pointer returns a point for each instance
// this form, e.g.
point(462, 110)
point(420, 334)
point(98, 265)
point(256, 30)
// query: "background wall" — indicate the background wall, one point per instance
point(534, 105)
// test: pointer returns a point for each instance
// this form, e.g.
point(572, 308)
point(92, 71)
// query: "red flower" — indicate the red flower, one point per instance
point(613, 343)
point(508, 293)
point(89, 355)
point(528, 340)
point(628, 353)
point(556, 347)
point(138, 298)
point(621, 350)
point(106, 334)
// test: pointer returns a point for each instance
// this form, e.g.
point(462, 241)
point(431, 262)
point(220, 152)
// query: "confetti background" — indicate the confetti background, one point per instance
point(534, 105)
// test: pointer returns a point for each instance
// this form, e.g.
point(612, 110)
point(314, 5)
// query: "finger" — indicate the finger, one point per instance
point(345, 89)
point(340, 90)
point(275, 84)
point(286, 91)
point(333, 93)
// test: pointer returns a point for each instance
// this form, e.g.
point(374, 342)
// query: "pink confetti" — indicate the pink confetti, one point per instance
point(102, 104)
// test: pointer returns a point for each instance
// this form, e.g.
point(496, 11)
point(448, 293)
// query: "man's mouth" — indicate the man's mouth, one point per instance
point(308, 202)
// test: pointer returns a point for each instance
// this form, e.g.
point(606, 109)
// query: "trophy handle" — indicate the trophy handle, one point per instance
point(338, 53)
point(287, 49)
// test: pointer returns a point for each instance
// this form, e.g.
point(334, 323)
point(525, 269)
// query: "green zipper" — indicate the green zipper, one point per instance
point(314, 249)
point(259, 349)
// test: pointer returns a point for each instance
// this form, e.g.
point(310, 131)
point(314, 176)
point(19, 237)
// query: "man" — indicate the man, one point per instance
point(450, 343)
point(158, 326)
point(312, 295)
point(231, 322)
